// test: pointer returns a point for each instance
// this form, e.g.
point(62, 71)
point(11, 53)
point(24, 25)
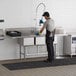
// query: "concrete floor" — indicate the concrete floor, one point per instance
point(69, 70)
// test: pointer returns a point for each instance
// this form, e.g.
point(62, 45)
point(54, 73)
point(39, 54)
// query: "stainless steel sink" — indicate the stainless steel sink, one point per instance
point(24, 31)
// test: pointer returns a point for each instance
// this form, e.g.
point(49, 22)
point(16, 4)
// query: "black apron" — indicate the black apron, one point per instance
point(48, 38)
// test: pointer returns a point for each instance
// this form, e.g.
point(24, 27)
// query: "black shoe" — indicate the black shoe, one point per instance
point(48, 61)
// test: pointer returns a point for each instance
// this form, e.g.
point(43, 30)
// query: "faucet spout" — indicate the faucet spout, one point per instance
point(37, 10)
point(40, 5)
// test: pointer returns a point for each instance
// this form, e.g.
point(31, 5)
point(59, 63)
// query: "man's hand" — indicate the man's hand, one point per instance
point(37, 33)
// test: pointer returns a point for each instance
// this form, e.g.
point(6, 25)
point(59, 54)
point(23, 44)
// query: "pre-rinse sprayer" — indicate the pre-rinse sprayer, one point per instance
point(41, 20)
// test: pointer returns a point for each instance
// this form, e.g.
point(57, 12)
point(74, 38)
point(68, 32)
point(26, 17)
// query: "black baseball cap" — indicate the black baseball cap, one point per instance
point(46, 14)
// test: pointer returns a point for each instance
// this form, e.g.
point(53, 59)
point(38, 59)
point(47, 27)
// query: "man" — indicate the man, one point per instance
point(49, 25)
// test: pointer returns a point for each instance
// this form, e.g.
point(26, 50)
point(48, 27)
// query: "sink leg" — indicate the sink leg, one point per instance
point(20, 51)
point(24, 51)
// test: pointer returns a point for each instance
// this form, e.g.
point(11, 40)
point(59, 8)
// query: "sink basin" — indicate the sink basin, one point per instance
point(28, 31)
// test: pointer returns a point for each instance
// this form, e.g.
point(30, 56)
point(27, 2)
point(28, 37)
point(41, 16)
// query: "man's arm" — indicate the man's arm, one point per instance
point(44, 26)
point(42, 29)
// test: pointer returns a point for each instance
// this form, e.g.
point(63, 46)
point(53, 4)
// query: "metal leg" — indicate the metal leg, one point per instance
point(54, 50)
point(24, 51)
point(20, 51)
point(71, 56)
point(37, 49)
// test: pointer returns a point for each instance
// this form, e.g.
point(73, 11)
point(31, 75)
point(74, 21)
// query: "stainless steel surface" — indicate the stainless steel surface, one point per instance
point(26, 32)
point(1, 34)
point(29, 32)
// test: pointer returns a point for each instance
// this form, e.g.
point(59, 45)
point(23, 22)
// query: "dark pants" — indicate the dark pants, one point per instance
point(49, 44)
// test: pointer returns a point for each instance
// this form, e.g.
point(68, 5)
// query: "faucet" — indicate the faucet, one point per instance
point(38, 7)
point(37, 11)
